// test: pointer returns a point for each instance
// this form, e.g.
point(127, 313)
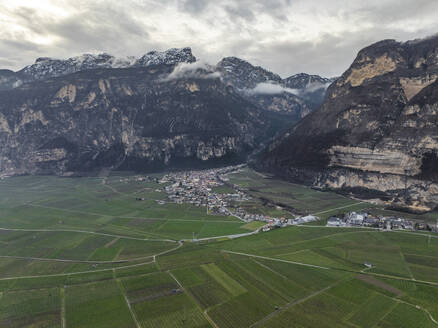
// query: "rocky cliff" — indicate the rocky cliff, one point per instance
point(162, 110)
point(127, 118)
point(376, 132)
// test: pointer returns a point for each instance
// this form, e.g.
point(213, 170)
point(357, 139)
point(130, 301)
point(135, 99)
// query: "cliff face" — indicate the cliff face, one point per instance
point(377, 130)
point(130, 118)
point(162, 110)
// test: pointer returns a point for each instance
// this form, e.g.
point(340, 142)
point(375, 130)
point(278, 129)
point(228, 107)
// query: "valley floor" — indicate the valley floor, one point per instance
point(109, 252)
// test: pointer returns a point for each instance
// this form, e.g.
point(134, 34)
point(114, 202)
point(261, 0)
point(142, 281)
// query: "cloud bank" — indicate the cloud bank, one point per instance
point(198, 69)
point(284, 36)
point(271, 88)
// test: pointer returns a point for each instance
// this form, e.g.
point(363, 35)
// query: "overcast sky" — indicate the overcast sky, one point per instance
point(285, 36)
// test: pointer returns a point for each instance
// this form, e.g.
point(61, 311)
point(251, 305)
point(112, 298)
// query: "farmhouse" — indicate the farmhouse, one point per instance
point(335, 222)
point(354, 218)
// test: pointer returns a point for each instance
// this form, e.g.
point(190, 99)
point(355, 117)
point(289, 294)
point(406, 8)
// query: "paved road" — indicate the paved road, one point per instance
point(126, 217)
point(94, 271)
point(88, 232)
point(63, 260)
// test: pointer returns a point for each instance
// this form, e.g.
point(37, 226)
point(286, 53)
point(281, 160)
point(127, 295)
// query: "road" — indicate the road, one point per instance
point(94, 271)
point(284, 308)
point(122, 216)
point(338, 208)
point(88, 232)
point(425, 282)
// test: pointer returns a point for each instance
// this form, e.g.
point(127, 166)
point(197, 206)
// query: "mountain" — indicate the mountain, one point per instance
point(45, 67)
point(295, 96)
point(312, 87)
point(243, 75)
point(376, 134)
point(134, 118)
point(162, 110)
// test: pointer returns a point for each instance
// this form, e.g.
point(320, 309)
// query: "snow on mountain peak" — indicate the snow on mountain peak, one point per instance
point(45, 67)
point(171, 57)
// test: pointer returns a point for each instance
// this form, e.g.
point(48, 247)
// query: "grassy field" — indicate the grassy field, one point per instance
point(277, 198)
point(83, 252)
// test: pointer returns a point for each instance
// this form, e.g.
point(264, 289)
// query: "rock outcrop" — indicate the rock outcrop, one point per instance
point(126, 118)
point(377, 130)
point(162, 110)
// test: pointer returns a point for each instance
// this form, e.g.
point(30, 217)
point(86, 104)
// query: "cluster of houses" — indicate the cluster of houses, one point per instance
point(197, 188)
point(364, 219)
point(139, 178)
point(275, 223)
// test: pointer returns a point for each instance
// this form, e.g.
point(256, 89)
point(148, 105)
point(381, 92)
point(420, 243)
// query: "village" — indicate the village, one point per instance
point(365, 219)
point(198, 188)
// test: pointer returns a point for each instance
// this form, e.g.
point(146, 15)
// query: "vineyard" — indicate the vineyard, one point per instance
point(78, 253)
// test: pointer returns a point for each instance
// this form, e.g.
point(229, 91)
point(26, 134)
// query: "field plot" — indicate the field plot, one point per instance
point(393, 253)
point(159, 301)
point(300, 198)
point(149, 287)
point(172, 311)
point(351, 304)
point(76, 246)
point(32, 308)
point(97, 305)
point(405, 316)
point(111, 207)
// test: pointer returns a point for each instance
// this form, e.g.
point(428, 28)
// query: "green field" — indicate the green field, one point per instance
point(83, 252)
point(273, 197)
point(304, 200)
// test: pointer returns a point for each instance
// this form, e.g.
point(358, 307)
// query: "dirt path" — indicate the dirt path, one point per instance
point(339, 208)
point(63, 321)
point(128, 304)
point(88, 232)
point(372, 274)
point(275, 259)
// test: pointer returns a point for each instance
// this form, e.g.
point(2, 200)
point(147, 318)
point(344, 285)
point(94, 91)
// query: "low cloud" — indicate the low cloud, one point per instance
point(312, 87)
point(197, 70)
point(273, 88)
point(270, 88)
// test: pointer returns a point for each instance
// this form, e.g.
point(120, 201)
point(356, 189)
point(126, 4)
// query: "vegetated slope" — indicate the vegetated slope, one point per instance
point(376, 132)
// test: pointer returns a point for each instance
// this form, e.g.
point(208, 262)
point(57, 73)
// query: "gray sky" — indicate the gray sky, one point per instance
point(285, 36)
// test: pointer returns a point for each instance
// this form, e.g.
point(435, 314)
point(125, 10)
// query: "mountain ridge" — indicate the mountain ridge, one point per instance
point(375, 132)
